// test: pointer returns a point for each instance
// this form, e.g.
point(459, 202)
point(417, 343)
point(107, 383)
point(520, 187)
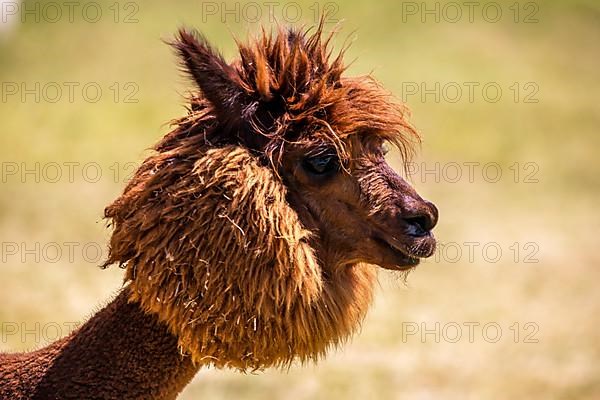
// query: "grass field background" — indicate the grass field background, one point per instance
point(542, 134)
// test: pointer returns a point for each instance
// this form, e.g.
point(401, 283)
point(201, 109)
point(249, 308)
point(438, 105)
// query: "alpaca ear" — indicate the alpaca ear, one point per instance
point(212, 74)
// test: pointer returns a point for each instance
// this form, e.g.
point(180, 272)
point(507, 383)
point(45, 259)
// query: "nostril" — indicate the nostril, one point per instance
point(418, 226)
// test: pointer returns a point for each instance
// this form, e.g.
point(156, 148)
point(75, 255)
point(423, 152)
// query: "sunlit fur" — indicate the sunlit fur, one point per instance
point(208, 230)
point(256, 299)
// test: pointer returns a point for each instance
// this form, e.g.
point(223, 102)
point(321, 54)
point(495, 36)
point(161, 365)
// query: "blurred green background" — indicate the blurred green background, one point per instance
point(518, 259)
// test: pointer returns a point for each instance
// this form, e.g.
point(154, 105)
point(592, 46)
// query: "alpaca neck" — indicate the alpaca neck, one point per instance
point(121, 352)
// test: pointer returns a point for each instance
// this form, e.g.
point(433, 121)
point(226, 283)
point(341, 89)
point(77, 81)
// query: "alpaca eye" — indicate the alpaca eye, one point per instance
point(320, 165)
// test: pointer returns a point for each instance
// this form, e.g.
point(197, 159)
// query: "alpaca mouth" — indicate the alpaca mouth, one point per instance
point(405, 255)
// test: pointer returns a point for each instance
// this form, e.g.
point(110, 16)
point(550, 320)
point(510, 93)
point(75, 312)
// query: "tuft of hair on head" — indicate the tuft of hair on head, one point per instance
point(287, 87)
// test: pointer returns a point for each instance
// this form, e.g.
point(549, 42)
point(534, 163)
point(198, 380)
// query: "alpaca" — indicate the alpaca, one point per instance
point(251, 236)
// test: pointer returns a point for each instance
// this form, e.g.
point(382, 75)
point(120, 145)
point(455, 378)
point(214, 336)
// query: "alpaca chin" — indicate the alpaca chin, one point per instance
point(211, 246)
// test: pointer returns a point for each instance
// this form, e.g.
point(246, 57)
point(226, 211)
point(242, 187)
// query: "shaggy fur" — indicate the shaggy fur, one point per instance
point(238, 252)
point(283, 91)
point(258, 298)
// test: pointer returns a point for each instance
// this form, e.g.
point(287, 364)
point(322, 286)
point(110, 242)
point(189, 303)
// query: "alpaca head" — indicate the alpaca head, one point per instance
point(255, 228)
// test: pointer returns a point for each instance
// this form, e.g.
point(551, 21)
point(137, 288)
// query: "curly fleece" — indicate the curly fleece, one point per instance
point(212, 247)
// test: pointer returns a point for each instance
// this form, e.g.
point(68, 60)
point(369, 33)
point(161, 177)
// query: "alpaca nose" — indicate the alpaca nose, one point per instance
point(422, 220)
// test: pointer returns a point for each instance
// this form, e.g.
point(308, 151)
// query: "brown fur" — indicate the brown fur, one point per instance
point(231, 240)
point(120, 353)
point(258, 298)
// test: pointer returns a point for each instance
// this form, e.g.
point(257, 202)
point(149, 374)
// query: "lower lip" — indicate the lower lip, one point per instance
point(410, 260)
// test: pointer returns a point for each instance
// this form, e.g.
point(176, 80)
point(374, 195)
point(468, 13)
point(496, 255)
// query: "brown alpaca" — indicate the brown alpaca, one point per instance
point(250, 236)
